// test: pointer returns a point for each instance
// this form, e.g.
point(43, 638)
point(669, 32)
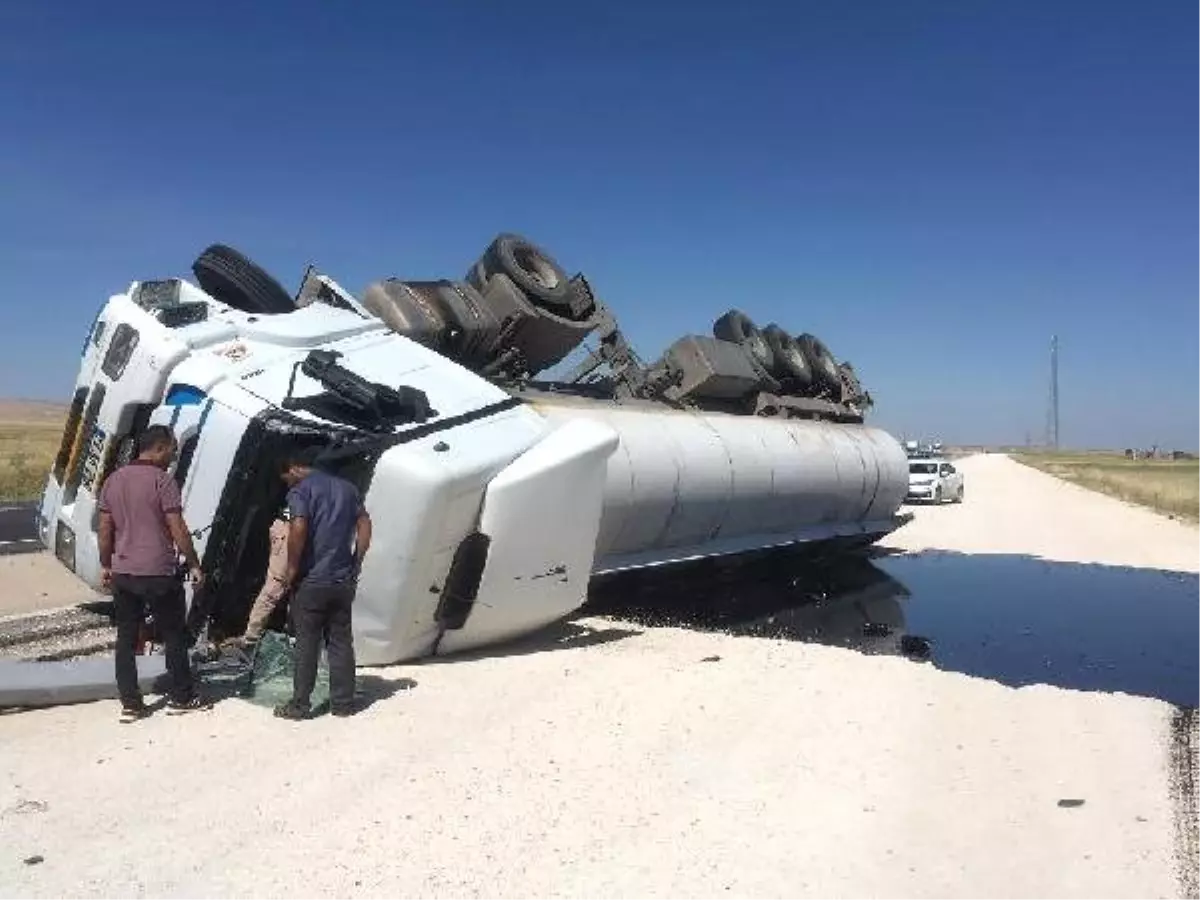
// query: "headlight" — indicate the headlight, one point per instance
point(64, 545)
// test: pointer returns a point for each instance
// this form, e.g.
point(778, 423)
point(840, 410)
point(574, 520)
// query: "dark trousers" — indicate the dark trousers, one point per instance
point(163, 596)
point(321, 615)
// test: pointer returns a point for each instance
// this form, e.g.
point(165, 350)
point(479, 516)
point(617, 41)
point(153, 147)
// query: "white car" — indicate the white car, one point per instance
point(934, 480)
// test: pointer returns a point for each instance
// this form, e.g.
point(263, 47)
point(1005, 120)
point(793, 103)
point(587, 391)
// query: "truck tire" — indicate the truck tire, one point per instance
point(790, 362)
point(529, 267)
point(821, 361)
point(542, 338)
point(766, 381)
point(233, 279)
point(473, 327)
point(409, 308)
point(852, 390)
point(582, 300)
point(738, 328)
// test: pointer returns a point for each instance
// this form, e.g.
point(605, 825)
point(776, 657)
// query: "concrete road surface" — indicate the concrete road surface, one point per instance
point(31, 579)
point(611, 760)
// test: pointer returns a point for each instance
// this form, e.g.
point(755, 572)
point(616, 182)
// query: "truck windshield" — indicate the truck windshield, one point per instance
point(923, 468)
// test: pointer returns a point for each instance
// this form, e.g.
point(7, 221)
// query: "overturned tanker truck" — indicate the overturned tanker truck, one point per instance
point(496, 495)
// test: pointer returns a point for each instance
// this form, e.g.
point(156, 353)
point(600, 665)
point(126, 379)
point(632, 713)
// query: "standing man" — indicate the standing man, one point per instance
point(274, 588)
point(142, 533)
point(329, 534)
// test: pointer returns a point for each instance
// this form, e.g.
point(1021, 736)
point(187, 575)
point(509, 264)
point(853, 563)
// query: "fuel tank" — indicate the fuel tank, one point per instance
point(537, 499)
point(683, 484)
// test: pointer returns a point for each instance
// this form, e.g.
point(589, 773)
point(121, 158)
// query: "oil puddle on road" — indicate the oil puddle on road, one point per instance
point(1017, 620)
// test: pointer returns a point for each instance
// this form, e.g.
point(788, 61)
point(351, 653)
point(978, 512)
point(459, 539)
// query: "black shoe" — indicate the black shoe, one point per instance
point(132, 712)
point(343, 710)
point(193, 703)
point(292, 710)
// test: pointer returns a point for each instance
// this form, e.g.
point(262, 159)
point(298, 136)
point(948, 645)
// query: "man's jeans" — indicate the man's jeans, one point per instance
point(321, 614)
point(132, 595)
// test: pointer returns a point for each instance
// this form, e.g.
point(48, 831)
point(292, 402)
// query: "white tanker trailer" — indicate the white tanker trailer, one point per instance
point(495, 496)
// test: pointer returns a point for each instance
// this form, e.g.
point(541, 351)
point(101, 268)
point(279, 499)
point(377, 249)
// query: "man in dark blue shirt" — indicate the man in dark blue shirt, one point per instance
point(329, 534)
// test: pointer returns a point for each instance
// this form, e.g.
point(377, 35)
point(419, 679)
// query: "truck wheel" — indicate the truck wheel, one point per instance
point(409, 308)
point(529, 267)
point(233, 279)
point(821, 361)
point(852, 390)
point(738, 328)
point(540, 337)
point(790, 361)
point(958, 498)
point(937, 496)
point(475, 328)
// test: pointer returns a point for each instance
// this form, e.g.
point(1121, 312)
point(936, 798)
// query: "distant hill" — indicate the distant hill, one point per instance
point(31, 412)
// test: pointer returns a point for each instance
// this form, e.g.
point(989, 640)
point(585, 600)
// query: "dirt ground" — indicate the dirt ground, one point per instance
point(654, 763)
point(30, 582)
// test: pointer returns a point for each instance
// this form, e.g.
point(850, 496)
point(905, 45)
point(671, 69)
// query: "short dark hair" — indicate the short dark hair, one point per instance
point(300, 457)
point(154, 437)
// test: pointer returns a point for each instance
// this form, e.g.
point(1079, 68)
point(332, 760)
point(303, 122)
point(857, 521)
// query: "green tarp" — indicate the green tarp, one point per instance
point(262, 675)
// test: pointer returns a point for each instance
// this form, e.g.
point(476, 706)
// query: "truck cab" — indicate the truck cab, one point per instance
point(240, 390)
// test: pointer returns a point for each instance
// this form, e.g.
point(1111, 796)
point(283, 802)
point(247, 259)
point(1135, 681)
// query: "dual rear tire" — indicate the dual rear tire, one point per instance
point(802, 364)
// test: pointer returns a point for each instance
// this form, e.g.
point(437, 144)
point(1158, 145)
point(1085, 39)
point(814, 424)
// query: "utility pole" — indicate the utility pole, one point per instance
point(1052, 411)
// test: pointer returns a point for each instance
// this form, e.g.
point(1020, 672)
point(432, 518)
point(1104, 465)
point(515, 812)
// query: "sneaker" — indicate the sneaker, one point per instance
point(132, 712)
point(191, 704)
point(292, 710)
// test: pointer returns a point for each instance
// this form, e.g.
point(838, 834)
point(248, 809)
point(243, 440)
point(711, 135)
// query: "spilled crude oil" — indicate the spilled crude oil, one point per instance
point(1018, 620)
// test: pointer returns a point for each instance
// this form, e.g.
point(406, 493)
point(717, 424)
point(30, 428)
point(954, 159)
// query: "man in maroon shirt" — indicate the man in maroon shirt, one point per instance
point(142, 533)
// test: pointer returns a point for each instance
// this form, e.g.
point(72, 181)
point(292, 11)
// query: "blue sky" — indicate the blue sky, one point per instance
point(932, 188)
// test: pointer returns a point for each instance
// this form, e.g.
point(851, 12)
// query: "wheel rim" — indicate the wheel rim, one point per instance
point(757, 345)
point(535, 266)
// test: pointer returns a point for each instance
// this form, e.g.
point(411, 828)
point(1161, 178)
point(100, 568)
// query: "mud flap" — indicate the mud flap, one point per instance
point(541, 515)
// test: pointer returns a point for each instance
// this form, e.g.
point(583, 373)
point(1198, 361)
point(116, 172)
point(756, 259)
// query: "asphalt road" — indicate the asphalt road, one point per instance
point(18, 531)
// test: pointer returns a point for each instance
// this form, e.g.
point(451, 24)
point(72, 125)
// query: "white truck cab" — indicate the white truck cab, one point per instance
point(224, 384)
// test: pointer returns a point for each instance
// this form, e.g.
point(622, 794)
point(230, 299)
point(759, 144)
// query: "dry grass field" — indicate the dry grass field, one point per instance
point(1169, 486)
point(29, 437)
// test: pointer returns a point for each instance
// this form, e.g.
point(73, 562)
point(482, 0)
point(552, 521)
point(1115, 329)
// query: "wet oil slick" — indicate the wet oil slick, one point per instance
point(1021, 620)
point(1017, 620)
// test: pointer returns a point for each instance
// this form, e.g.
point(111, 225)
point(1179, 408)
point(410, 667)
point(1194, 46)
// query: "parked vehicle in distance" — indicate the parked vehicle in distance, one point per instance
point(922, 449)
point(934, 480)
